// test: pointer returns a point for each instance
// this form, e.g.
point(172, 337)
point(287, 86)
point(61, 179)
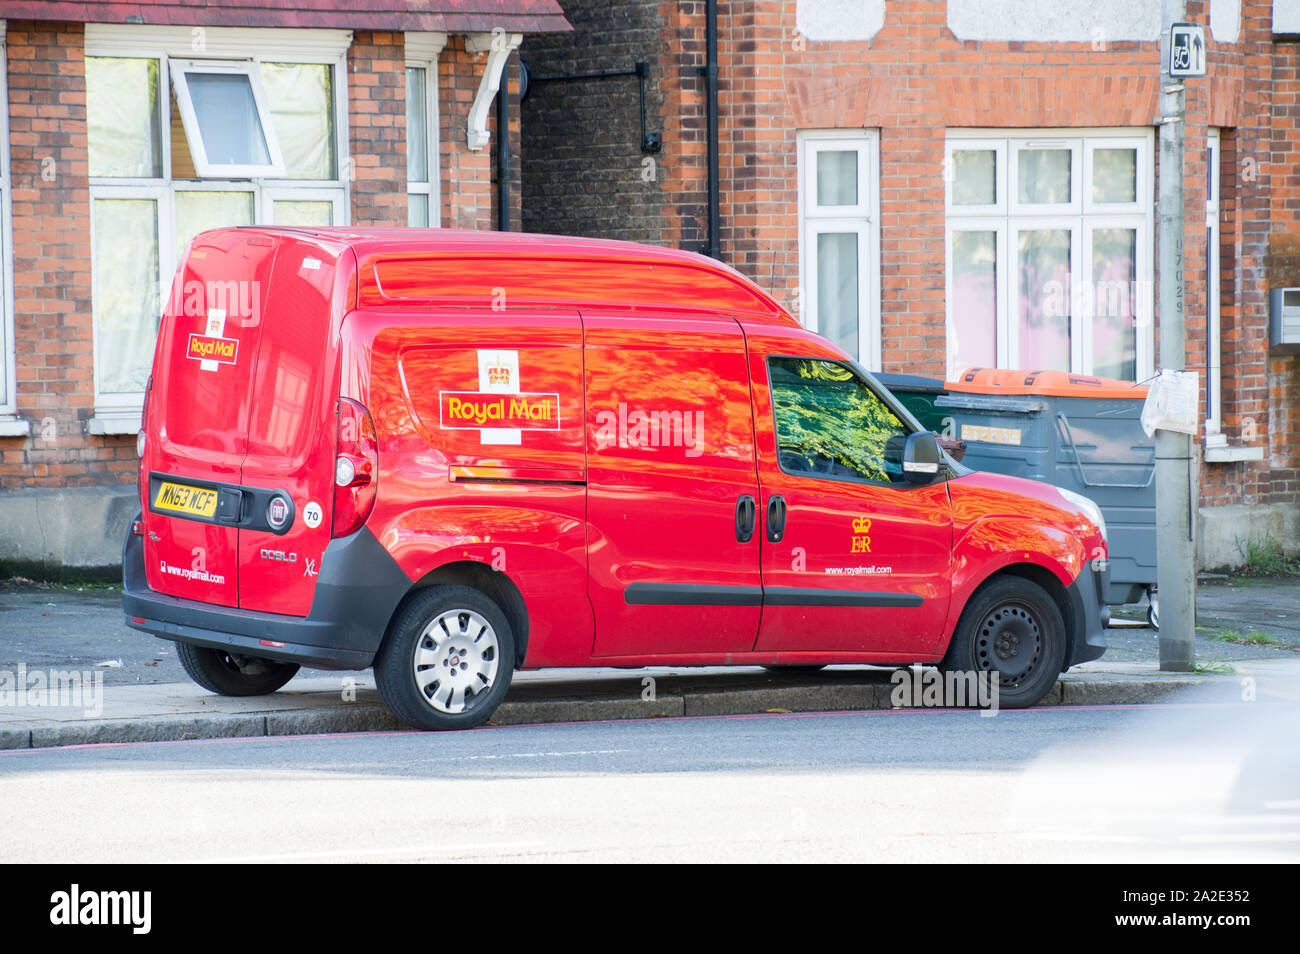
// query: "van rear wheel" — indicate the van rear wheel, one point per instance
point(229, 675)
point(1013, 630)
point(448, 660)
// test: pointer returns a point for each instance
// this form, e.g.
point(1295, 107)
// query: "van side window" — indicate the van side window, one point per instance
point(829, 423)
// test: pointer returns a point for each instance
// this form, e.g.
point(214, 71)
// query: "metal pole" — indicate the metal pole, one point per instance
point(1175, 556)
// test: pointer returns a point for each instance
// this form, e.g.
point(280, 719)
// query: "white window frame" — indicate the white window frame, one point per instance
point(180, 72)
point(1020, 224)
point(862, 218)
point(115, 404)
point(1015, 146)
point(422, 52)
point(1008, 217)
point(1142, 253)
point(998, 226)
point(999, 149)
point(1213, 282)
point(119, 413)
point(264, 211)
point(10, 424)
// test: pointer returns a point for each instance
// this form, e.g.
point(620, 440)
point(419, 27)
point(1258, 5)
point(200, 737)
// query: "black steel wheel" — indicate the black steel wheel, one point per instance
point(1013, 630)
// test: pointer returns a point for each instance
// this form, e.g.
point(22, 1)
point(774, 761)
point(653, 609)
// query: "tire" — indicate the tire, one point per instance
point(217, 671)
point(1013, 627)
point(795, 667)
point(448, 659)
point(1153, 609)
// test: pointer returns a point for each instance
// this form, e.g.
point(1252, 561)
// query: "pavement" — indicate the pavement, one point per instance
point(1248, 642)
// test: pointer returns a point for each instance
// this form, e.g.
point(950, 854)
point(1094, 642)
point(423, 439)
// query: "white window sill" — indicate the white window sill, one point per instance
point(128, 423)
point(14, 427)
point(1230, 455)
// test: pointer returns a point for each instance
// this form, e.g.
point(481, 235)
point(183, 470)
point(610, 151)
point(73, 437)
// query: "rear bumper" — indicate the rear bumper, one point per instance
point(1088, 599)
point(357, 592)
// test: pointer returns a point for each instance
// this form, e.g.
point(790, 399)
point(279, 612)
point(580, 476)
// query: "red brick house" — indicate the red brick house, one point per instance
point(131, 126)
point(939, 184)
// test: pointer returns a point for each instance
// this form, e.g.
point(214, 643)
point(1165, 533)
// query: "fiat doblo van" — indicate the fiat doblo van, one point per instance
point(451, 455)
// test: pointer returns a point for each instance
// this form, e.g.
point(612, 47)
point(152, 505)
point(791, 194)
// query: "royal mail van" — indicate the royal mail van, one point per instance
point(454, 455)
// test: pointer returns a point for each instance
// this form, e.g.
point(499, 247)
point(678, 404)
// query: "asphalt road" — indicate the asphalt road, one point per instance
point(1188, 782)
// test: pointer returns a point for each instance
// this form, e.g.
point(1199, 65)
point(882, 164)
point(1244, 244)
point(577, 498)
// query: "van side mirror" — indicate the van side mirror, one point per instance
point(921, 457)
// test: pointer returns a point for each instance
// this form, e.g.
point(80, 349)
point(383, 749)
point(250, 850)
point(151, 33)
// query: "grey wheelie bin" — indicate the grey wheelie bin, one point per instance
point(1074, 431)
point(918, 394)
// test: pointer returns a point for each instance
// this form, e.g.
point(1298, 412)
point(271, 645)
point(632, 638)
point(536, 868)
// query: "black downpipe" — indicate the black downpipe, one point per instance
point(711, 98)
point(503, 150)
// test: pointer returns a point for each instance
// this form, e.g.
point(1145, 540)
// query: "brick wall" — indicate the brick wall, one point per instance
point(467, 196)
point(53, 323)
point(583, 169)
point(1283, 270)
point(912, 82)
point(377, 126)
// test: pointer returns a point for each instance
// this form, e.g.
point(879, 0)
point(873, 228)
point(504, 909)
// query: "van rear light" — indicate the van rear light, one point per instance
point(356, 469)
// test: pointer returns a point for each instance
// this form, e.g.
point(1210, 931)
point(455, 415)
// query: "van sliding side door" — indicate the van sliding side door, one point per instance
point(672, 489)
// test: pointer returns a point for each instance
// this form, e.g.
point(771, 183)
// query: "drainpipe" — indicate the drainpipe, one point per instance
point(503, 150)
point(711, 100)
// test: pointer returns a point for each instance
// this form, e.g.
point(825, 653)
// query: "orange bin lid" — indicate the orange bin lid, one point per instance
point(1049, 383)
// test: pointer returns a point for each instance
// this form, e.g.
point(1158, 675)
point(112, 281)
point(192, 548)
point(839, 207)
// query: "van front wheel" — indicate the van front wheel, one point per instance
point(448, 660)
point(1013, 630)
point(229, 675)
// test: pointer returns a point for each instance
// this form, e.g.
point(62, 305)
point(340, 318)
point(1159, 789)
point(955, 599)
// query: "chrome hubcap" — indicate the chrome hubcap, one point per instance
point(456, 660)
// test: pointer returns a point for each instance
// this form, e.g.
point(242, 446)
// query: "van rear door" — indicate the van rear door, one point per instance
point(288, 470)
point(198, 415)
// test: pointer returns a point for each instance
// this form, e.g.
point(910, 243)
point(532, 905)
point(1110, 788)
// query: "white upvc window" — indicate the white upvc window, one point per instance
point(10, 424)
point(839, 239)
point(423, 173)
point(227, 122)
point(1214, 362)
point(1049, 251)
point(250, 129)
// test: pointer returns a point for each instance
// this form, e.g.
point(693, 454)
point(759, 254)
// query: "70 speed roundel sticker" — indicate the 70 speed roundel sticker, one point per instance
point(312, 514)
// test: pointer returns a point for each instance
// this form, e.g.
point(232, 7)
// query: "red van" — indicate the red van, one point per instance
point(452, 455)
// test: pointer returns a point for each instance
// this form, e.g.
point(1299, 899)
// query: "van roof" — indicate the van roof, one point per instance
point(422, 266)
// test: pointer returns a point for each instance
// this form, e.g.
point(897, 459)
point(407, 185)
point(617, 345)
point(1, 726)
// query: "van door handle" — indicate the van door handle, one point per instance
point(775, 518)
point(746, 512)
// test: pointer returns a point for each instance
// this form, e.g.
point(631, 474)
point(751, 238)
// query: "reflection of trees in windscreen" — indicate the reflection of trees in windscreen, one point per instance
point(829, 422)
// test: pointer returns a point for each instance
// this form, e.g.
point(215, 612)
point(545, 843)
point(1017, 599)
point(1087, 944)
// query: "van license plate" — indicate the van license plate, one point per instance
point(192, 501)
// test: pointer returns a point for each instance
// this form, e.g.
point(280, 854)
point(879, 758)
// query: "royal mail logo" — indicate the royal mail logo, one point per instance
point(499, 374)
point(860, 542)
point(468, 410)
point(209, 348)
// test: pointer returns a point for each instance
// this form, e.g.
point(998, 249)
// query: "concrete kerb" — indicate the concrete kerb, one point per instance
point(576, 701)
